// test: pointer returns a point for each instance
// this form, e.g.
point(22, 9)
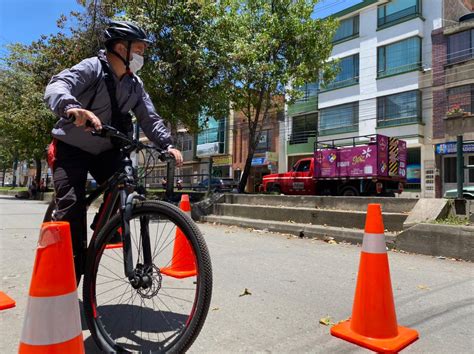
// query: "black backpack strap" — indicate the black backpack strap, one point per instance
point(121, 121)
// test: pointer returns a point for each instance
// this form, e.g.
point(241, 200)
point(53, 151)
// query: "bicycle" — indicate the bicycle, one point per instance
point(129, 304)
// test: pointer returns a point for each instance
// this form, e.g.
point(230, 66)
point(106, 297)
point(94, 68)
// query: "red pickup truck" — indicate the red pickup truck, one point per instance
point(374, 165)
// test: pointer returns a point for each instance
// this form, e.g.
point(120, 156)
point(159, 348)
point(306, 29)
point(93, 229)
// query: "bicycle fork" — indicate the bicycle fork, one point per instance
point(139, 276)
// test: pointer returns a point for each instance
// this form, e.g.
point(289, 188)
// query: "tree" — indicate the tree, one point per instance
point(272, 48)
point(26, 70)
point(184, 70)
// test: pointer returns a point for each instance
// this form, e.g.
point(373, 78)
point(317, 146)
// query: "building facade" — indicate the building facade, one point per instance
point(383, 85)
point(265, 159)
point(453, 92)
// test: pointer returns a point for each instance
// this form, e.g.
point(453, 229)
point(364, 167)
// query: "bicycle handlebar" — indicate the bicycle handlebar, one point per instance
point(131, 144)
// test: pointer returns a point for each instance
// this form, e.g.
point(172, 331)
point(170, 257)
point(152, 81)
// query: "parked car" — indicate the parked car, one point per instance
point(467, 192)
point(218, 185)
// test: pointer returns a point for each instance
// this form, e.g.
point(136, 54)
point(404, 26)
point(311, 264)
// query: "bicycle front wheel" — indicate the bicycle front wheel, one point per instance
point(168, 313)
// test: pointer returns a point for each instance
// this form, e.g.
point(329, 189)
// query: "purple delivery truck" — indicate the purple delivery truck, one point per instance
point(372, 165)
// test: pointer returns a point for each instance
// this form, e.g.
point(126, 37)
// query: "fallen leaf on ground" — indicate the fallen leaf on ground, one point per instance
point(246, 292)
point(326, 321)
point(215, 309)
point(423, 287)
point(332, 242)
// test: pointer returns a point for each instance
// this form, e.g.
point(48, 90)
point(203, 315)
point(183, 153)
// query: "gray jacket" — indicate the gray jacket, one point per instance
point(75, 88)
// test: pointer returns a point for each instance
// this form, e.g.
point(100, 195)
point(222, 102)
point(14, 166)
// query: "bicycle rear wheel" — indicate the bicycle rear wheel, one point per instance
point(168, 315)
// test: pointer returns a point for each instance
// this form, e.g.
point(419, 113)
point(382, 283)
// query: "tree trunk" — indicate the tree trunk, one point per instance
point(4, 170)
point(248, 163)
point(15, 166)
point(38, 171)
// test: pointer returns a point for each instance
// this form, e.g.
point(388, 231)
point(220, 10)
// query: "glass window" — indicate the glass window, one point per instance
point(460, 46)
point(347, 28)
point(449, 168)
point(461, 96)
point(303, 127)
point(399, 57)
point(303, 166)
point(339, 119)
point(309, 90)
point(185, 142)
point(348, 72)
point(212, 131)
point(402, 108)
point(265, 142)
point(396, 10)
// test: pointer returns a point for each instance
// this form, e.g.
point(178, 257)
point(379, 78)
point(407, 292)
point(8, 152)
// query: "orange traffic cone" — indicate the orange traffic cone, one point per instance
point(52, 322)
point(6, 301)
point(373, 324)
point(183, 264)
point(118, 244)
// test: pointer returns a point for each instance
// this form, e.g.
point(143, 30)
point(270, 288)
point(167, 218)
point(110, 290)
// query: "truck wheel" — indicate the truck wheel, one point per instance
point(275, 189)
point(350, 192)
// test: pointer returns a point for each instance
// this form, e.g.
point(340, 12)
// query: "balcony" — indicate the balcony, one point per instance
point(399, 70)
point(397, 17)
point(340, 84)
point(398, 121)
point(459, 124)
point(301, 142)
point(339, 130)
point(308, 104)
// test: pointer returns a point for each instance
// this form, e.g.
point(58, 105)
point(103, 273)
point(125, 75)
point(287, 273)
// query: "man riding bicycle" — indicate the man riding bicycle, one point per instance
point(99, 90)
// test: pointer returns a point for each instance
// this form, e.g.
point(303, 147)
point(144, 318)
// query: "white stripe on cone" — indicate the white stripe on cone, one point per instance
point(51, 320)
point(374, 243)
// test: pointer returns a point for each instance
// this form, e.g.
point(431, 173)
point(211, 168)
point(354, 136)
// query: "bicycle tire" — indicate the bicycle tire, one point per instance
point(100, 319)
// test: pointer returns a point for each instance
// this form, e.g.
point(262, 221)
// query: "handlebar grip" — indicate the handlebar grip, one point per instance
point(166, 156)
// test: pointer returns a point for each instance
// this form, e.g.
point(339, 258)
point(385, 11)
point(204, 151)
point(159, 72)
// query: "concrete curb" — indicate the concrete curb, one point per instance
point(438, 240)
point(354, 236)
point(429, 239)
point(45, 196)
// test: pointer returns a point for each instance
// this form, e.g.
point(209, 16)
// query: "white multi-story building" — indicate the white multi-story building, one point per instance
point(383, 86)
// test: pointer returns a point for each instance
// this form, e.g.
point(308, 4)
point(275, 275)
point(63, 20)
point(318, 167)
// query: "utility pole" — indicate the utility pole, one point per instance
point(460, 166)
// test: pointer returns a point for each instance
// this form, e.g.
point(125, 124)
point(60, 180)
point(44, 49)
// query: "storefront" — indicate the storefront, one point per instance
point(222, 166)
point(446, 162)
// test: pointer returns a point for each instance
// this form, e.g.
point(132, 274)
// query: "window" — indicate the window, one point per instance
point(397, 10)
point(348, 73)
point(303, 127)
point(399, 57)
point(185, 142)
point(303, 166)
point(265, 142)
point(347, 28)
point(213, 131)
point(460, 46)
point(402, 108)
point(339, 119)
point(462, 96)
point(449, 168)
point(309, 90)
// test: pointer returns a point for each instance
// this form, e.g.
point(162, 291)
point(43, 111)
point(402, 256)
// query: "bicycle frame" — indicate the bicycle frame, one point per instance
point(119, 192)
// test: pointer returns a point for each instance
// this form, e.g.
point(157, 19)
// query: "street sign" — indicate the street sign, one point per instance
point(450, 148)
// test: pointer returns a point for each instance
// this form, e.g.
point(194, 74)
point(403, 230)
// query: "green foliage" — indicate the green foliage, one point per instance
point(24, 74)
point(271, 49)
point(206, 57)
point(184, 72)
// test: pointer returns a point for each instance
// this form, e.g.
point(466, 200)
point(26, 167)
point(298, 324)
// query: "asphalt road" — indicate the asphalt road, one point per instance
point(293, 284)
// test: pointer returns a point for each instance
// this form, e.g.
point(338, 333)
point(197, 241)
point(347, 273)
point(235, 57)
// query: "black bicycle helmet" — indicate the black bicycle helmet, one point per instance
point(125, 31)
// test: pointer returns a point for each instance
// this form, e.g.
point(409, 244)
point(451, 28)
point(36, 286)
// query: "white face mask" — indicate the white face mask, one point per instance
point(136, 63)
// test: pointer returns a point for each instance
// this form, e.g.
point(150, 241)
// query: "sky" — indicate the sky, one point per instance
point(25, 20)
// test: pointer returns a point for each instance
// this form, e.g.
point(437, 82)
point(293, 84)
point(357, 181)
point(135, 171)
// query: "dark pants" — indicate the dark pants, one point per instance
point(69, 176)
